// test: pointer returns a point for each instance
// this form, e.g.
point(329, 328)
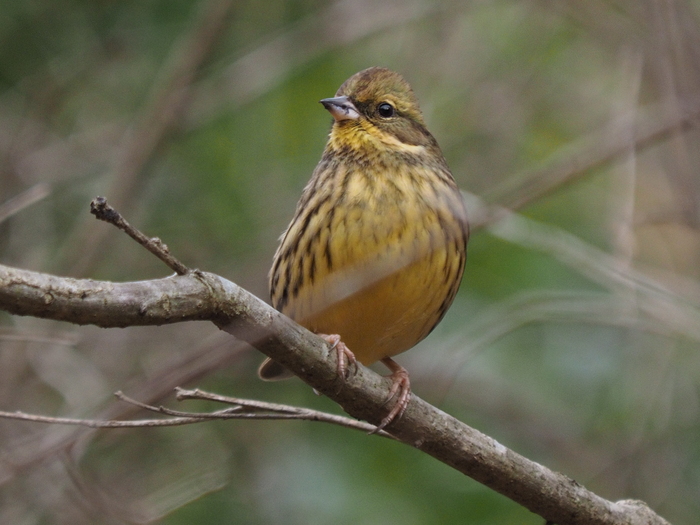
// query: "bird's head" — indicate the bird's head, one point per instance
point(377, 106)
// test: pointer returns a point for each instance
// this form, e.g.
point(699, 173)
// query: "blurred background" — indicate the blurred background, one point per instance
point(574, 340)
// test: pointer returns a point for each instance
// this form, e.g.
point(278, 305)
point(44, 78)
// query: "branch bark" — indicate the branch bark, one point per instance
point(204, 296)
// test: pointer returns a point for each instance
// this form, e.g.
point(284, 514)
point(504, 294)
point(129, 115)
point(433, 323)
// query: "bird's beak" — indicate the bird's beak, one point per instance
point(341, 108)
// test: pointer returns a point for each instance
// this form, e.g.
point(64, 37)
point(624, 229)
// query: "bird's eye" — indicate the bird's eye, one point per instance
point(385, 110)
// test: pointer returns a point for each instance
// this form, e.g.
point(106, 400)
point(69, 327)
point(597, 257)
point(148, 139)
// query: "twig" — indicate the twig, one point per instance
point(95, 423)
point(241, 409)
point(250, 405)
point(104, 212)
point(250, 409)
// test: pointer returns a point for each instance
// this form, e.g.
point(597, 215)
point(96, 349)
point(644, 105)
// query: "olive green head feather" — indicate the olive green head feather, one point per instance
point(380, 98)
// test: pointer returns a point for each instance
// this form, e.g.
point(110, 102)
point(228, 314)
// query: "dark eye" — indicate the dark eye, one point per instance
point(385, 110)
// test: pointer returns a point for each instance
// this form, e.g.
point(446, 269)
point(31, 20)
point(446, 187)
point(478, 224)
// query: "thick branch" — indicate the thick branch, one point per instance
point(105, 304)
point(204, 296)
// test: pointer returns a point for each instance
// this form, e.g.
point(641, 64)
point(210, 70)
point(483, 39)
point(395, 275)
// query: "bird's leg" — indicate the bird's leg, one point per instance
point(400, 389)
point(346, 359)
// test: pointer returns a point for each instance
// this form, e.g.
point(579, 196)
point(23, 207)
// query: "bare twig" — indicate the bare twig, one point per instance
point(250, 409)
point(104, 212)
point(94, 423)
point(241, 409)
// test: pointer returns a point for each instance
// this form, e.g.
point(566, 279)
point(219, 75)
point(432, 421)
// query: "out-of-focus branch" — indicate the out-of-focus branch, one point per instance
point(597, 150)
point(23, 200)
point(272, 61)
point(161, 114)
point(204, 296)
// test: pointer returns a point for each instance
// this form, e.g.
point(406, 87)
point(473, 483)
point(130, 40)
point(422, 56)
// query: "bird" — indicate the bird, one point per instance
point(376, 249)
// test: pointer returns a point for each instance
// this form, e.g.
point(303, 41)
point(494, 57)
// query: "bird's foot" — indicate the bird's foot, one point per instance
point(400, 389)
point(347, 363)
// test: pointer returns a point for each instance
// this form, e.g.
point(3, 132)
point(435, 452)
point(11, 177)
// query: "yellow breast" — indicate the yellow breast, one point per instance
point(378, 262)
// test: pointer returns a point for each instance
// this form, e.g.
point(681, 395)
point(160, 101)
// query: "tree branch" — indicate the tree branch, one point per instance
point(106, 304)
point(204, 296)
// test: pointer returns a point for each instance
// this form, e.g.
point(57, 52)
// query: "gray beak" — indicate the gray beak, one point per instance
point(341, 108)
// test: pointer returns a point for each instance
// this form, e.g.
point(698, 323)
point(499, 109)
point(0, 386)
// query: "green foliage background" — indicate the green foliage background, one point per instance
point(574, 339)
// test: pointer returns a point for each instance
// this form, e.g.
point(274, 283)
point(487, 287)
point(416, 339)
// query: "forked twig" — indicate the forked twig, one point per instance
point(240, 409)
point(251, 409)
